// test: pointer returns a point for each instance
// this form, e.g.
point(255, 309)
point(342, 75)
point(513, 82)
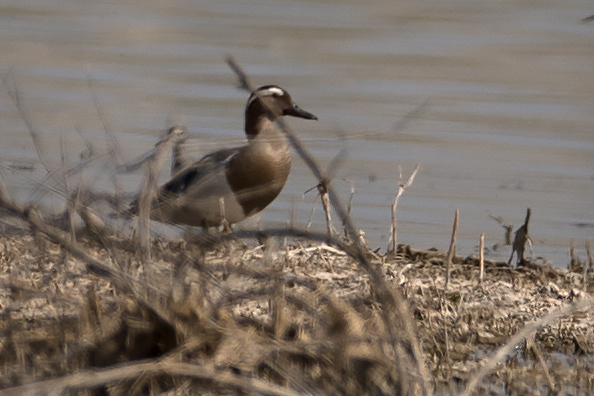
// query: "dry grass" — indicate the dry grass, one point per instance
point(292, 319)
point(92, 311)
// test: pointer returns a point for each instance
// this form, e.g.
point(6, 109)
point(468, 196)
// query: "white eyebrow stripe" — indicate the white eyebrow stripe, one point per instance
point(266, 92)
point(271, 91)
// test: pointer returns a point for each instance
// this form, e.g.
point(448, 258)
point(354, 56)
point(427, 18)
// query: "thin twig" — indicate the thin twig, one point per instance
point(590, 265)
point(312, 213)
point(70, 201)
point(94, 378)
point(481, 258)
point(112, 142)
point(15, 96)
point(327, 211)
point(113, 146)
point(149, 188)
point(506, 350)
point(509, 228)
point(447, 355)
point(403, 122)
point(543, 365)
point(393, 243)
point(573, 259)
point(349, 204)
point(244, 80)
point(451, 249)
point(323, 190)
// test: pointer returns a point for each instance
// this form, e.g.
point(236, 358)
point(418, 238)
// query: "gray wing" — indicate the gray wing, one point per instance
point(199, 195)
point(200, 170)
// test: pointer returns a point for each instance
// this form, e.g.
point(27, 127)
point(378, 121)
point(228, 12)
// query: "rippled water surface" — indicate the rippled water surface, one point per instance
point(508, 87)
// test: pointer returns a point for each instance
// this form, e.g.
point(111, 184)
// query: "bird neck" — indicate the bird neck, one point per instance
point(264, 130)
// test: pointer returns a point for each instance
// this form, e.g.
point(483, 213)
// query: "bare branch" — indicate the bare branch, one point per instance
point(506, 226)
point(481, 258)
point(393, 241)
point(452, 249)
point(94, 378)
point(15, 96)
point(507, 349)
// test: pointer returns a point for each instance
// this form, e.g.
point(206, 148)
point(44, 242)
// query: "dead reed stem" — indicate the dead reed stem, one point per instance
point(349, 204)
point(326, 205)
point(94, 378)
point(113, 146)
point(148, 191)
point(403, 122)
point(112, 142)
point(573, 259)
point(451, 249)
point(15, 96)
point(481, 258)
point(393, 243)
point(311, 214)
point(543, 365)
point(588, 270)
point(509, 228)
point(590, 257)
point(447, 356)
point(71, 200)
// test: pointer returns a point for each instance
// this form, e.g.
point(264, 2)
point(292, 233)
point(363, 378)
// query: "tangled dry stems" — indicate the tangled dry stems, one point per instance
point(96, 312)
point(300, 318)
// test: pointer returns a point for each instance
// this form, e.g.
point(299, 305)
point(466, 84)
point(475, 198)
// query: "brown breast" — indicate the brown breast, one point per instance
point(258, 173)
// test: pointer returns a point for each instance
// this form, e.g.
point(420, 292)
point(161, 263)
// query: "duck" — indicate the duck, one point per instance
point(231, 184)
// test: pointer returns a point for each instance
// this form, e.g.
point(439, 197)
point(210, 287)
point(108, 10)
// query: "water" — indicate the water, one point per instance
point(508, 87)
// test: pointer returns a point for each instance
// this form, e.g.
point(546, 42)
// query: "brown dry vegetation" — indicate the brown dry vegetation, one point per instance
point(295, 318)
point(91, 311)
